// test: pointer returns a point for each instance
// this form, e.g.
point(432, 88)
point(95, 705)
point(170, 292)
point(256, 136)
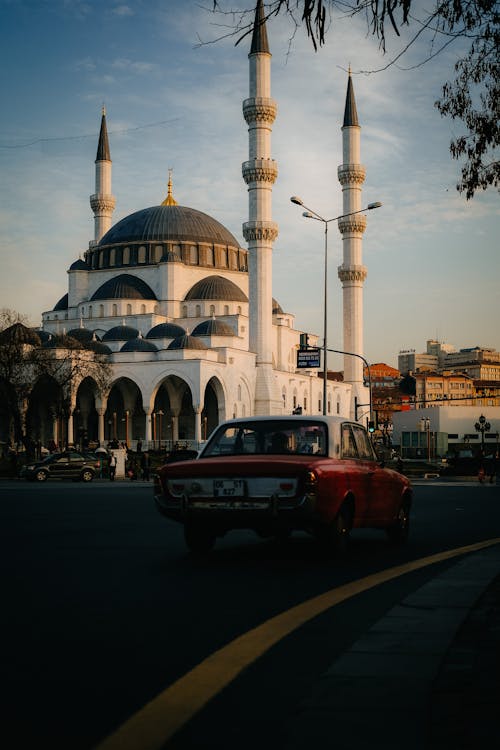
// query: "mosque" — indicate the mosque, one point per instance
point(186, 317)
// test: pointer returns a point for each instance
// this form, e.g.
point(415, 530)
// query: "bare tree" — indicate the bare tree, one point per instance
point(473, 97)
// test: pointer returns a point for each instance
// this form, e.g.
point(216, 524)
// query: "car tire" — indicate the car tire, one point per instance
point(398, 532)
point(335, 537)
point(199, 540)
point(87, 475)
point(41, 476)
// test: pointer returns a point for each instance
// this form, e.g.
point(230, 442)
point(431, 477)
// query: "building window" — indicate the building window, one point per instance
point(90, 311)
point(101, 311)
point(143, 309)
point(129, 309)
point(114, 309)
point(158, 253)
point(238, 309)
point(126, 256)
point(193, 255)
point(239, 393)
point(112, 256)
point(210, 256)
point(184, 311)
point(142, 254)
point(212, 309)
point(198, 311)
point(226, 309)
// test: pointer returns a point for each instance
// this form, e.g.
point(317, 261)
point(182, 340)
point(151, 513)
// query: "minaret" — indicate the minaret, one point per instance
point(260, 173)
point(102, 202)
point(352, 273)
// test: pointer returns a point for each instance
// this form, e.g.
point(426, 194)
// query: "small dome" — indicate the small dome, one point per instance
point(166, 331)
point(120, 333)
point(98, 347)
point(62, 342)
point(213, 327)
point(216, 287)
point(42, 335)
point(62, 304)
point(186, 342)
point(82, 334)
point(79, 265)
point(277, 309)
point(124, 286)
point(139, 345)
point(20, 334)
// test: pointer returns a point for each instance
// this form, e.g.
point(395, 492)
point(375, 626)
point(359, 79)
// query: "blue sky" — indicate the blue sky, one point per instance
point(432, 257)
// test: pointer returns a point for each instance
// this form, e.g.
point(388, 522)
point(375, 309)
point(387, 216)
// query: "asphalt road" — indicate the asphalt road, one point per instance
point(103, 609)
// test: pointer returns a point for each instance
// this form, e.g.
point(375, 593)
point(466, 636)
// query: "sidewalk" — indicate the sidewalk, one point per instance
point(424, 677)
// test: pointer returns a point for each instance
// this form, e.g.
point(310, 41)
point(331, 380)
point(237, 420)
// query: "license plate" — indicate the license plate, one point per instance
point(229, 488)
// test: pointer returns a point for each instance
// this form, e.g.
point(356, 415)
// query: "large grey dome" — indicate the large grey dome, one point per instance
point(168, 223)
point(213, 327)
point(216, 287)
point(124, 286)
point(186, 342)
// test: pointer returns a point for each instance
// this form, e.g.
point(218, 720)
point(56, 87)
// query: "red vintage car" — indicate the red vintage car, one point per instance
point(276, 475)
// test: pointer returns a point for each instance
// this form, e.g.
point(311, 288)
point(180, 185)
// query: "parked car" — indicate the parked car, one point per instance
point(276, 475)
point(65, 465)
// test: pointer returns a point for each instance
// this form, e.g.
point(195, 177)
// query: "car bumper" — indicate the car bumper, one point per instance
point(241, 513)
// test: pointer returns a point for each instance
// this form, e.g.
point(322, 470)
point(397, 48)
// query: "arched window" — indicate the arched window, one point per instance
point(115, 309)
point(126, 256)
point(112, 256)
point(198, 311)
point(226, 309)
point(141, 258)
point(212, 309)
point(90, 311)
point(238, 309)
point(210, 256)
point(143, 309)
point(101, 311)
point(193, 255)
point(338, 406)
point(129, 309)
point(158, 253)
point(184, 311)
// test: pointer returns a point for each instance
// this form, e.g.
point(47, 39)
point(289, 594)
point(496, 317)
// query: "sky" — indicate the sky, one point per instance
point(173, 102)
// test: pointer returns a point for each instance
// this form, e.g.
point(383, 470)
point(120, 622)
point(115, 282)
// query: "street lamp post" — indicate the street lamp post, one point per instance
point(482, 426)
point(310, 214)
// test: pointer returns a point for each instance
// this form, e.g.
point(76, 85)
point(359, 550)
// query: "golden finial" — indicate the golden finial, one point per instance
point(169, 200)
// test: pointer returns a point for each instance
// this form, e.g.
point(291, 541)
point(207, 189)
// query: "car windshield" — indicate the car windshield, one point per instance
point(269, 437)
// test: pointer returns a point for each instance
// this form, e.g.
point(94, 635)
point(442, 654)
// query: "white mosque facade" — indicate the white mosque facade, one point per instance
point(185, 316)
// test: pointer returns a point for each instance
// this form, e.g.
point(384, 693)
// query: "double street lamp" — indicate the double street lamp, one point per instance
point(310, 214)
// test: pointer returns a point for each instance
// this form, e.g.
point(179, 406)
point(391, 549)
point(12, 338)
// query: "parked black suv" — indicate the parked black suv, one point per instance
point(66, 465)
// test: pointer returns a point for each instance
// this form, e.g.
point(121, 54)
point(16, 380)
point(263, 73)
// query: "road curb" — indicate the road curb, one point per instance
point(386, 677)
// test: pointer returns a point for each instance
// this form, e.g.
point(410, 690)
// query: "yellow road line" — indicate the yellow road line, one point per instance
point(154, 724)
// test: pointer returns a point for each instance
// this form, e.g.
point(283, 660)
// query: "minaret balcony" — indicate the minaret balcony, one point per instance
point(352, 274)
point(260, 170)
point(257, 231)
point(352, 224)
point(102, 203)
point(260, 109)
point(349, 173)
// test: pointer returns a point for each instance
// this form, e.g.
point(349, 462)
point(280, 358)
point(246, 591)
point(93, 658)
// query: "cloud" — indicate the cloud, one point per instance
point(122, 10)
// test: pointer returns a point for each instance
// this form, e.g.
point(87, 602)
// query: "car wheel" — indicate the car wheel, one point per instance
point(335, 537)
point(41, 476)
point(398, 532)
point(199, 540)
point(87, 475)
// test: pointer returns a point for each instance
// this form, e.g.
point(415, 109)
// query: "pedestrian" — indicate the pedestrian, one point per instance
point(145, 466)
point(139, 445)
point(112, 467)
point(492, 468)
